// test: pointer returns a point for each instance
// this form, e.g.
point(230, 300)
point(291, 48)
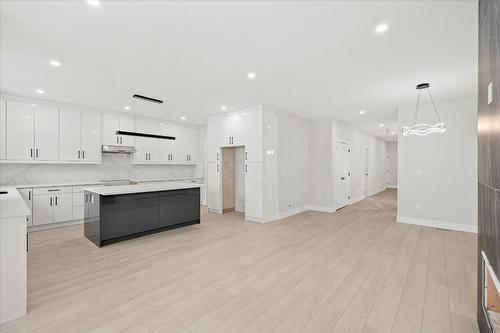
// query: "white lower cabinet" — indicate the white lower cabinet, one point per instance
point(253, 191)
point(52, 205)
point(214, 187)
point(27, 195)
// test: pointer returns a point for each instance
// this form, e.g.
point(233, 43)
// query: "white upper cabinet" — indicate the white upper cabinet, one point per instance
point(3, 132)
point(46, 133)
point(21, 131)
point(148, 149)
point(167, 146)
point(70, 139)
point(79, 136)
point(112, 122)
point(91, 136)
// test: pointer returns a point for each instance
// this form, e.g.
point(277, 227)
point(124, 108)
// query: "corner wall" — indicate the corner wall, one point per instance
point(392, 156)
point(437, 183)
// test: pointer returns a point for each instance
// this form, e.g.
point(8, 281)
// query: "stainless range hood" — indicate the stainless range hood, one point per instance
point(113, 149)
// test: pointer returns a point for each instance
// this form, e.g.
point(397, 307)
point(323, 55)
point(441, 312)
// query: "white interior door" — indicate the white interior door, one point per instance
point(367, 171)
point(70, 135)
point(46, 133)
point(20, 131)
point(91, 137)
point(342, 174)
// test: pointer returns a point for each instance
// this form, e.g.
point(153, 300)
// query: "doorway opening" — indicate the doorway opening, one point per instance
point(233, 179)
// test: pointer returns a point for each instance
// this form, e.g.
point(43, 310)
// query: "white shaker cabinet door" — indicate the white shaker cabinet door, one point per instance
point(46, 133)
point(43, 209)
point(91, 137)
point(3, 128)
point(70, 137)
point(20, 133)
point(63, 207)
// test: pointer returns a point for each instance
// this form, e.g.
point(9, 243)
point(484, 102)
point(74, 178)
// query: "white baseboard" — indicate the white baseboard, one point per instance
point(302, 209)
point(376, 191)
point(354, 200)
point(324, 209)
point(393, 187)
point(54, 225)
point(437, 224)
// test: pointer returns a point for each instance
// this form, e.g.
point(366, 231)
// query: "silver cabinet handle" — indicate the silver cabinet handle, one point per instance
point(56, 201)
point(217, 168)
point(83, 154)
point(53, 190)
point(246, 167)
point(117, 140)
point(50, 201)
point(217, 156)
point(29, 195)
point(78, 154)
point(31, 152)
point(36, 153)
point(246, 156)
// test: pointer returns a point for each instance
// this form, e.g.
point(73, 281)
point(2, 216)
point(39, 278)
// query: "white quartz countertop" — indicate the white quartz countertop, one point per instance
point(12, 204)
point(141, 188)
point(98, 182)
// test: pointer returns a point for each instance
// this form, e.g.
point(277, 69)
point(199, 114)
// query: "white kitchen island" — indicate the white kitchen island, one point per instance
point(13, 253)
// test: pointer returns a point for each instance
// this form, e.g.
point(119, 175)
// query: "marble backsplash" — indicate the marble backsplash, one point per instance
point(114, 166)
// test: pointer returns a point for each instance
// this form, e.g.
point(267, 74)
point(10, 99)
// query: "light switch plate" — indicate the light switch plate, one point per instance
point(490, 92)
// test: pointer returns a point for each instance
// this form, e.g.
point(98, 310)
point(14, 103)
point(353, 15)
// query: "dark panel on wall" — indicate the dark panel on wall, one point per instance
point(489, 144)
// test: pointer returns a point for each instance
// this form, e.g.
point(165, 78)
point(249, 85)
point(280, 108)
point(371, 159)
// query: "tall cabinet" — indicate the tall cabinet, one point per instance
point(255, 129)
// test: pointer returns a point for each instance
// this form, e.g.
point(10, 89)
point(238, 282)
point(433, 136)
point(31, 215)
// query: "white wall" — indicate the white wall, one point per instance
point(437, 183)
point(293, 162)
point(320, 164)
point(359, 141)
point(392, 153)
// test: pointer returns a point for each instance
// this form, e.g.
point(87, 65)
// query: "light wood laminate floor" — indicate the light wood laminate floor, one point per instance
point(355, 270)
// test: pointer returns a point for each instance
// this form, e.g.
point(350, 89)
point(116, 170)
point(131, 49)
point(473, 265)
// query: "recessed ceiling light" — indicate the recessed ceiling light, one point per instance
point(33, 105)
point(40, 91)
point(251, 76)
point(362, 112)
point(381, 28)
point(94, 3)
point(393, 133)
point(223, 108)
point(183, 118)
point(126, 107)
point(55, 63)
point(381, 125)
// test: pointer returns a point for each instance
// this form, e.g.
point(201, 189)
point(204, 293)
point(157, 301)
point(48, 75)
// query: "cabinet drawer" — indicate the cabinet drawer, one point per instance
point(52, 190)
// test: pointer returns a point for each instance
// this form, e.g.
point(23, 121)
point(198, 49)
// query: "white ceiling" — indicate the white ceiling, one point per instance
point(314, 59)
